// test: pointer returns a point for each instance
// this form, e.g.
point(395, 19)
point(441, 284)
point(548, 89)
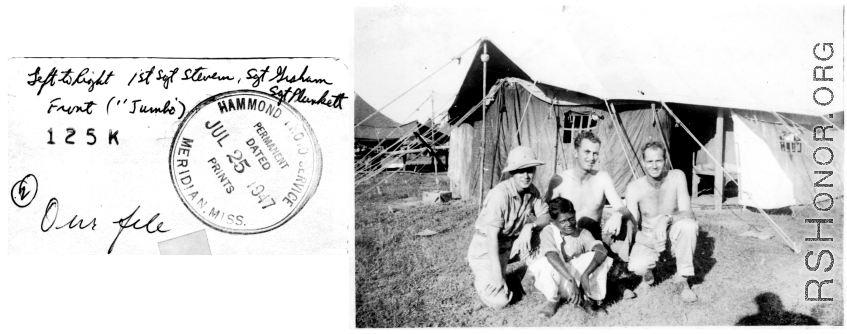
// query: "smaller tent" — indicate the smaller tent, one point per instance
point(373, 127)
point(375, 133)
point(440, 134)
point(436, 138)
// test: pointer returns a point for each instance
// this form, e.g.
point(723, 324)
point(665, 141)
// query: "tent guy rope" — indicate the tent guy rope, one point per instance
point(397, 127)
point(420, 82)
point(620, 138)
point(371, 175)
point(523, 115)
point(776, 227)
point(401, 140)
point(365, 163)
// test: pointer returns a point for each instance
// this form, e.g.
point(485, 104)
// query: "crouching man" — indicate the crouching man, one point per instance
point(503, 224)
point(570, 262)
point(662, 207)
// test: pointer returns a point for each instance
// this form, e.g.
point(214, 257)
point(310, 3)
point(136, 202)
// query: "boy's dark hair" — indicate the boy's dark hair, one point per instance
point(560, 205)
point(585, 135)
point(654, 145)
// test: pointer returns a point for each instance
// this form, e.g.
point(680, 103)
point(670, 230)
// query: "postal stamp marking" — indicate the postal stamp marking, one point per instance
point(244, 162)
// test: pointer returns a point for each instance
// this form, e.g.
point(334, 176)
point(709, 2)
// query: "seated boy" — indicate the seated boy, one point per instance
point(569, 262)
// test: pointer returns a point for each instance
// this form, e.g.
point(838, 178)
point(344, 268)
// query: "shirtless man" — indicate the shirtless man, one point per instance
point(588, 189)
point(661, 197)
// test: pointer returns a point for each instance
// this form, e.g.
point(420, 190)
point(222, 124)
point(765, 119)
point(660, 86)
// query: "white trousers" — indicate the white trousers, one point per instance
point(553, 286)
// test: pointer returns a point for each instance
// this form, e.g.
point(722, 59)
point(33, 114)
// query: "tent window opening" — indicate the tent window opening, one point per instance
point(788, 142)
point(572, 124)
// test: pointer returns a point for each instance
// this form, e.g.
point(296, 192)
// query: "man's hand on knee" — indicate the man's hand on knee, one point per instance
point(660, 232)
point(613, 224)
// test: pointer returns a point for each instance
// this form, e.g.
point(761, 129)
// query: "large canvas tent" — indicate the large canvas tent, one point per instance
point(767, 152)
point(522, 114)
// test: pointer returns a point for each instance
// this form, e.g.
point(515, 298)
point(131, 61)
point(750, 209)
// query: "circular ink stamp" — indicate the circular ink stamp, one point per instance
point(244, 162)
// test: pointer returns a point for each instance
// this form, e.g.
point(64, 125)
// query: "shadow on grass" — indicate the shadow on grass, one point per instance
point(513, 281)
point(784, 211)
point(704, 261)
point(772, 313)
point(615, 287)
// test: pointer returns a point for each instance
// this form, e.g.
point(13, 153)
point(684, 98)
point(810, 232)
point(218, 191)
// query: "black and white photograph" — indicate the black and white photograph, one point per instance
point(336, 166)
point(593, 165)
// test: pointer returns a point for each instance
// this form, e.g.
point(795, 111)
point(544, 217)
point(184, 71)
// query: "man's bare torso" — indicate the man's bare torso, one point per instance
point(662, 201)
point(587, 195)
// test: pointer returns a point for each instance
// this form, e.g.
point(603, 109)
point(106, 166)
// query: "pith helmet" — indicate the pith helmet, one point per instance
point(521, 157)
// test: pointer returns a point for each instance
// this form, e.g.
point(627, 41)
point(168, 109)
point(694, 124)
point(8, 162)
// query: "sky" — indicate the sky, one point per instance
point(755, 56)
point(397, 47)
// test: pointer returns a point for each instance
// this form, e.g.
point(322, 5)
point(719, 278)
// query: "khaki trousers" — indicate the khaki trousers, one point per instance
point(683, 237)
point(492, 295)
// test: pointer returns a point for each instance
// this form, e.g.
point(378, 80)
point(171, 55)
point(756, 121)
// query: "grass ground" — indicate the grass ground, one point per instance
point(404, 280)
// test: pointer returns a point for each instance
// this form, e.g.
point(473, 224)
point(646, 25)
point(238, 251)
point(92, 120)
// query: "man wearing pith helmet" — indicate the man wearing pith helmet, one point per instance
point(503, 224)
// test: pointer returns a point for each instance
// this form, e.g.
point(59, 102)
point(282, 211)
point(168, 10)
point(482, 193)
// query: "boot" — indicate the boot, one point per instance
point(646, 281)
point(680, 286)
point(619, 270)
point(549, 308)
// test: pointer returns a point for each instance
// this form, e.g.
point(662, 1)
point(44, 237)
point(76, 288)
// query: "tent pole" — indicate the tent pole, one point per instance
point(794, 247)
point(695, 178)
point(738, 163)
point(484, 58)
point(432, 140)
point(636, 163)
point(719, 175)
point(556, 148)
point(619, 134)
point(662, 133)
